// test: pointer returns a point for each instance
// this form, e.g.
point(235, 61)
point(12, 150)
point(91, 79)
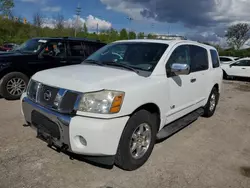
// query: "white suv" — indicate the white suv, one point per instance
point(115, 105)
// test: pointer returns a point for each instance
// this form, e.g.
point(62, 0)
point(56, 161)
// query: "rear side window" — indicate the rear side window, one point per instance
point(215, 58)
point(76, 48)
point(199, 58)
point(224, 59)
point(89, 47)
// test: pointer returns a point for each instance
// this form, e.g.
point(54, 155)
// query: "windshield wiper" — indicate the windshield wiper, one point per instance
point(121, 65)
point(92, 61)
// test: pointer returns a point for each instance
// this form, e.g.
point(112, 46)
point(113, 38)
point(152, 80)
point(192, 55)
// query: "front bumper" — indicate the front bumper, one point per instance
point(101, 136)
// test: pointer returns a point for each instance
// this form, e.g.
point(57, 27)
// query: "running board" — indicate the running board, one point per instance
point(179, 124)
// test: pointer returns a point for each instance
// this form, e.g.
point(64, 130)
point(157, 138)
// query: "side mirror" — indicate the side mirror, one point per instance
point(180, 69)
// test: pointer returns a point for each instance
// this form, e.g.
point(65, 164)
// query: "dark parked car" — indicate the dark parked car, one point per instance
point(8, 46)
point(18, 65)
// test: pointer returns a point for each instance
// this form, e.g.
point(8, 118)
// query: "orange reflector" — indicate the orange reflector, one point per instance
point(116, 105)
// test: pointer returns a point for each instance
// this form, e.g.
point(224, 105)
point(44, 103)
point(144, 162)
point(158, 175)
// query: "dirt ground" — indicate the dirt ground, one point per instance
point(210, 153)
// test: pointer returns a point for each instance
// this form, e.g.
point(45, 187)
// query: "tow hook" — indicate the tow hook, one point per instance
point(64, 147)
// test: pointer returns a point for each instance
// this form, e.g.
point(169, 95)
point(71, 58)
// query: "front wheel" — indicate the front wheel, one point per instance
point(212, 102)
point(12, 85)
point(137, 141)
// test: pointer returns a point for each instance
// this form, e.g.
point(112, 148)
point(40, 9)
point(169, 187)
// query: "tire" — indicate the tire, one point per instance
point(20, 79)
point(212, 101)
point(124, 158)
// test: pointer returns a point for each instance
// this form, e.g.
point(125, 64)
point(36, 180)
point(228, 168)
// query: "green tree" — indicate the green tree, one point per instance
point(140, 35)
point(123, 34)
point(151, 36)
point(237, 35)
point(132, 35)
point(6, 7)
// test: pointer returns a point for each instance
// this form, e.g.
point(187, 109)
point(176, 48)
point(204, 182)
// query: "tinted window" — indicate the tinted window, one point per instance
point(215, 59)
point(55, 49)
point(199, 58)
point(243, 63)
point(76, 48)
point(89, 47)
point(223, 59)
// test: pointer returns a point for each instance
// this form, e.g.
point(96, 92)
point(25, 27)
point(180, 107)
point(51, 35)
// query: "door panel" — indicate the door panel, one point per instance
point(181, 87)
point(54, 54)
point(239, 68)
point(200, 72)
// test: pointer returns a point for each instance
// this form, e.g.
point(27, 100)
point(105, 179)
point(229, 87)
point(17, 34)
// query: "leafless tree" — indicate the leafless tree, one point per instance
point(59, 22)
point(38, 20)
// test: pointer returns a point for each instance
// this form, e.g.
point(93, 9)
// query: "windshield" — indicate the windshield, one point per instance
point(31, 46)
point(142, 56)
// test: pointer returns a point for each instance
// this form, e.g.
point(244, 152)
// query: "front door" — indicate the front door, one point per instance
point(240, 68)
point(53, 55)
point(181, 87)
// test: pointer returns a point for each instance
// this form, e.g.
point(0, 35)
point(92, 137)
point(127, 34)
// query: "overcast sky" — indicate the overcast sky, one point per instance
point(204, 20)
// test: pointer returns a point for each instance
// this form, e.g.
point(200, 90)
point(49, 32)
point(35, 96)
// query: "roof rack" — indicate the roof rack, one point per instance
point(85, 39)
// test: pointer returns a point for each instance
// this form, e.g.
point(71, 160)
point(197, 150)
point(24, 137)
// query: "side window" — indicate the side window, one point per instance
point(76, 48)
point(243, 63)
point(89, 48)
point(215, 59)
point(199, 58)
point(180, 55)
point(55, 49)
point(225, 59)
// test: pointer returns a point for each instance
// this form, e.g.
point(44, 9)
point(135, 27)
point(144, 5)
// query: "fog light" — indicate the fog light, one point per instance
point(83, 141)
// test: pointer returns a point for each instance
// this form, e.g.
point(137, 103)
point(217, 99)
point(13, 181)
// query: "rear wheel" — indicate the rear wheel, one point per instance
point(212, 102)
point(137, 141)
point(12, 85)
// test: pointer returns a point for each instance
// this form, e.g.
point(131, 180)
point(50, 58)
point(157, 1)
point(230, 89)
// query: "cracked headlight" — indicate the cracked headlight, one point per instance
point(103, 102)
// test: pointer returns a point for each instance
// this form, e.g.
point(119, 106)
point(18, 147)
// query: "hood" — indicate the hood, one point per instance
point(12, 56)
point(86, 78)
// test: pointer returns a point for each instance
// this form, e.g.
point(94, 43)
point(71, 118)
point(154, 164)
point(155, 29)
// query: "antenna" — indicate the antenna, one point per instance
point(78, 12)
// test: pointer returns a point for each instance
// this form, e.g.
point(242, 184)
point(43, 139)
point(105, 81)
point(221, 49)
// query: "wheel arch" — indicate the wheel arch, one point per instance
point(10, 69)
point(152, 108)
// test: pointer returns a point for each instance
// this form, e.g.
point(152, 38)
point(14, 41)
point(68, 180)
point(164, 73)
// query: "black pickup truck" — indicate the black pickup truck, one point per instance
point(17, 66)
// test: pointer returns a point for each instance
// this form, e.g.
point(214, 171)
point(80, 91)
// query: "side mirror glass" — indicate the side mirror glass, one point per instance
point(180, 69)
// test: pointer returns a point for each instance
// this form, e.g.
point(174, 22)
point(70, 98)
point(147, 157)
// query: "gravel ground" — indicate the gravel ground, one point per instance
point(209, 153)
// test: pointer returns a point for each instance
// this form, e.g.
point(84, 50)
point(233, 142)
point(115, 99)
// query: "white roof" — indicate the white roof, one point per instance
point(169, 42)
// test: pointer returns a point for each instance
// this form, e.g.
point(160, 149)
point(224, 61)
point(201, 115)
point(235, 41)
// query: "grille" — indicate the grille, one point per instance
point(57, 99)
point(46, 95)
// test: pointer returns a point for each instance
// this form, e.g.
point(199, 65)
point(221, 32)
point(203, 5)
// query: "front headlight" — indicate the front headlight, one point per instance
point(103, 102)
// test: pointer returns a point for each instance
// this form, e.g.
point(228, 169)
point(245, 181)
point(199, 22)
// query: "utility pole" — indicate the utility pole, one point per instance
point(97, 28)
point(129, 19)
point(78, 12)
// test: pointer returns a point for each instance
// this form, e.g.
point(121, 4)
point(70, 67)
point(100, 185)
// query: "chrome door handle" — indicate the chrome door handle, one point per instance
point(193, 80)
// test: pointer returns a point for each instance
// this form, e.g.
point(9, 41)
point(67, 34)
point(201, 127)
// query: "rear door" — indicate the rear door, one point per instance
point(76, 53)
point(201, 76)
